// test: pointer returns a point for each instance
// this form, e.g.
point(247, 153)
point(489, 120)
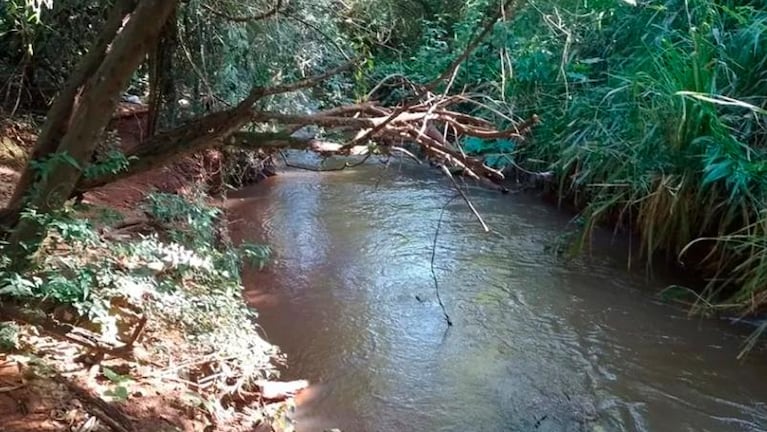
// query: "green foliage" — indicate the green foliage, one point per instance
point(195, 217)
point(112, 163)
point(213, 59)
point(20, 22)
point(43, 166)
point(9, 336)
point(653, 116)
point(40, 42)
point(632, 138)
point(119, 392)
point(193, 280)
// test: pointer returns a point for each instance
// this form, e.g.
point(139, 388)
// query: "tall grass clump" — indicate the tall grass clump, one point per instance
point(653, 118)
point(668, 137)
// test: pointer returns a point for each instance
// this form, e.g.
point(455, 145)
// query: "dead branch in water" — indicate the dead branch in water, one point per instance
point(434, 255)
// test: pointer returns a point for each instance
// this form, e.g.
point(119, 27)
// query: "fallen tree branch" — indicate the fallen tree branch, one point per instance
point(431, 123)
point(221, 129)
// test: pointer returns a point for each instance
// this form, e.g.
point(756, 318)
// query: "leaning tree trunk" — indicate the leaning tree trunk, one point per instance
point(203, 133)
point(162, 89)
point(59, 114)
point(97, 102)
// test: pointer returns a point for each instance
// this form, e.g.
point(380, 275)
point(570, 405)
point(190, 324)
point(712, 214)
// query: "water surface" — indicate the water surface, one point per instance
point(538, 343)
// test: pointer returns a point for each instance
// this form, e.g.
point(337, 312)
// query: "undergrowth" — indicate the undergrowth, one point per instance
point(181, 273)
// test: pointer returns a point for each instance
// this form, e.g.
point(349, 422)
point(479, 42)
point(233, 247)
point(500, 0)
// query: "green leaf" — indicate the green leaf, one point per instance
point(474, 145)
point(119, 393)
point(113, 376)
point(717, 171)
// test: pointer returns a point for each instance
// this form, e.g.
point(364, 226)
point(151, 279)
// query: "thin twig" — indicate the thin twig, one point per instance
point(308, 82)
point(434, 254)
point(242, 19)
point(465, 198)
point(471, 46)
point(407, 153)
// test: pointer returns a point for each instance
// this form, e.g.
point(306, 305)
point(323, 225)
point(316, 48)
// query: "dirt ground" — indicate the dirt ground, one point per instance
point(18, 136)
point(33, 397)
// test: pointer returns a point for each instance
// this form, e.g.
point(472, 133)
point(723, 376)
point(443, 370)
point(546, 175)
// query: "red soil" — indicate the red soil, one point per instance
point(31, 401)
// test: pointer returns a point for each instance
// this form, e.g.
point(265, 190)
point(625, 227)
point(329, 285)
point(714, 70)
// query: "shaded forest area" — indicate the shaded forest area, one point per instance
point(649, 116)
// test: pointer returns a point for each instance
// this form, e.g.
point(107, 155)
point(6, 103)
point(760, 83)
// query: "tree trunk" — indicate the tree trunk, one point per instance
point(97, 102)
point(60, 112)
point(202, 133)
point(162, 87)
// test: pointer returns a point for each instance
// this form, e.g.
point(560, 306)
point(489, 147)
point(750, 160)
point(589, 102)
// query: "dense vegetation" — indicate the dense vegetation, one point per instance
point(653, 118)
point(213, 75)
point(653, 114)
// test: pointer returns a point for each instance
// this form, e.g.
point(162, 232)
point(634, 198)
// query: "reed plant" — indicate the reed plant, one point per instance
point(653, 117)
point(668, 135)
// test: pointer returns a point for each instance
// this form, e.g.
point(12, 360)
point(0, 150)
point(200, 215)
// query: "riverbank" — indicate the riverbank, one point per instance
point(692, 269)
point(143, 325)
point(652, 118)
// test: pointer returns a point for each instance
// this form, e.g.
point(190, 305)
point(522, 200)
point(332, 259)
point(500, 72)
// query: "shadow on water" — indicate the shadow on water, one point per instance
point(539, 343)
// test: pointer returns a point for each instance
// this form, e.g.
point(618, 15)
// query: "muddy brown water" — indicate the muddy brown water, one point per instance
point(538, 343)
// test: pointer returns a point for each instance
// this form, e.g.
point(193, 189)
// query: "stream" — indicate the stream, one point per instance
point(539, 342)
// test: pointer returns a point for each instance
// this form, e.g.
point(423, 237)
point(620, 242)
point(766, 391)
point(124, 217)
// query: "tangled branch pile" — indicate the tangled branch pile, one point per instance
point(431, 124)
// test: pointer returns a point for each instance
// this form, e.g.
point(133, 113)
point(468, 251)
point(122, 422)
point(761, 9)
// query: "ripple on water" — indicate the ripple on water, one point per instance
point(539, 343)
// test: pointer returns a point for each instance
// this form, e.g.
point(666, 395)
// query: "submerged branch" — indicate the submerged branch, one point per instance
point(433, 256)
